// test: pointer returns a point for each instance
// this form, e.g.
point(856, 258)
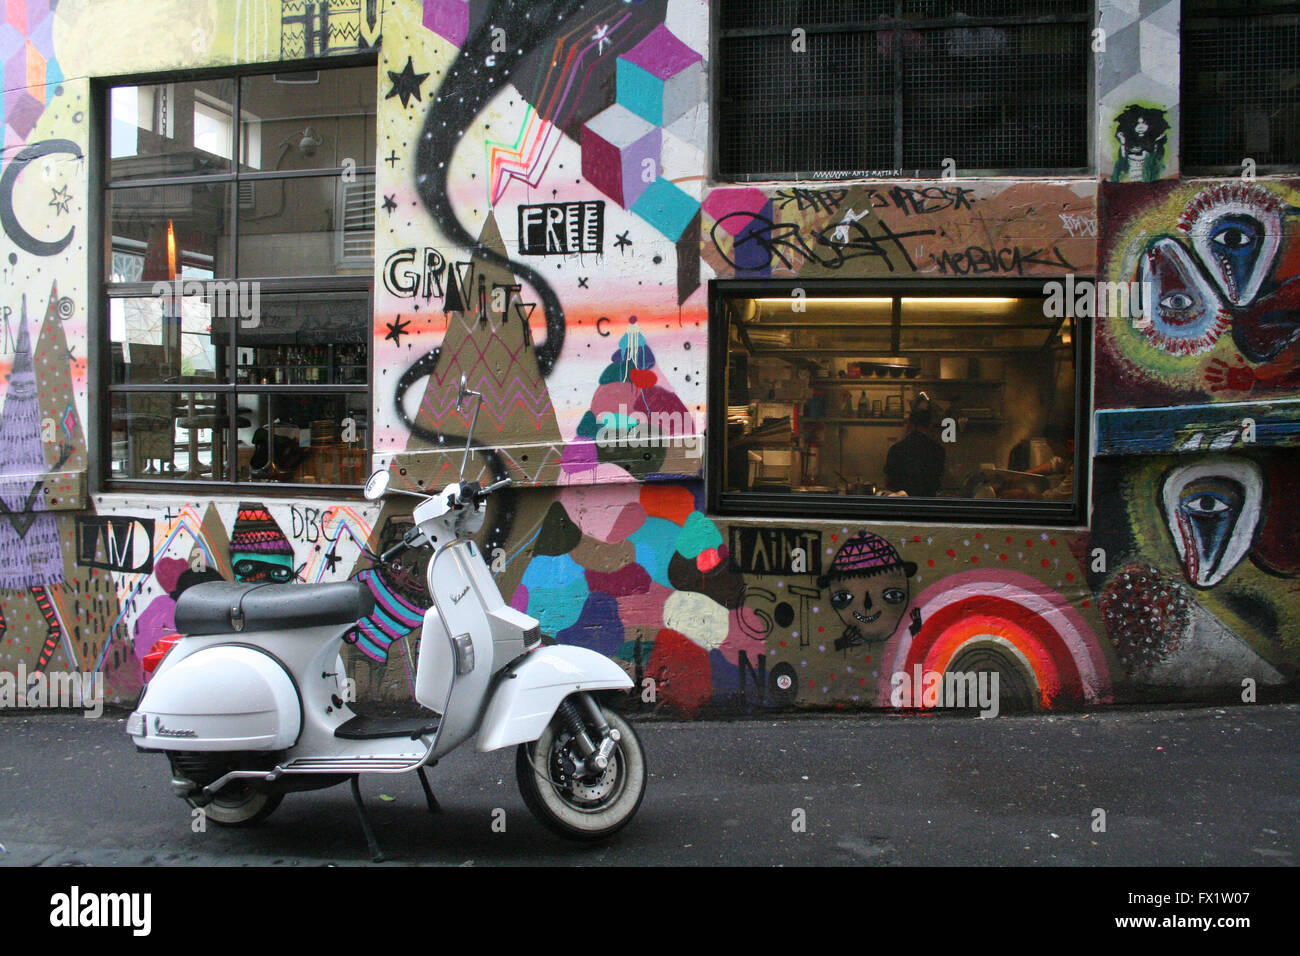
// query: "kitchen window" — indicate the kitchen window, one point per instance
point(238, 215)
point(917, 401)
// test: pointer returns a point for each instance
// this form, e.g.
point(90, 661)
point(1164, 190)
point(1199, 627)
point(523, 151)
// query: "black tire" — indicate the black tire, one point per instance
point(581, 807)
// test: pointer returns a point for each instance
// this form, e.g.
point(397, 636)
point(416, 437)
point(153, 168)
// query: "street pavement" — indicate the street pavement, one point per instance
point(1185, 787)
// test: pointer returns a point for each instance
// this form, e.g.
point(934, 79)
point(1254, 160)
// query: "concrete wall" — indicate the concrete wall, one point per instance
point(614, 549)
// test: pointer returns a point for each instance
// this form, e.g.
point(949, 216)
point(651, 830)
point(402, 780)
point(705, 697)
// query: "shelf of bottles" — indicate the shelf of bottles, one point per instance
point(303, 365)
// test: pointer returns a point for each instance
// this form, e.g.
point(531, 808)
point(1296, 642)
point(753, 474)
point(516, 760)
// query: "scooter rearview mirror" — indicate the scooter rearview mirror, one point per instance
point(377, 485)
point(464, 387)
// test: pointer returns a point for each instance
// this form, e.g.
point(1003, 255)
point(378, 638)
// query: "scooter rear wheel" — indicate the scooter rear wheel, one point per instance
point(241, 808)
point(237, 804)
point(568, 800)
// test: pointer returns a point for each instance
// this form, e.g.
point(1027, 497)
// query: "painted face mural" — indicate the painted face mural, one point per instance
point(1212, 509)
point(1185, 315)
point(869, 590)
point(1219, 265)
point(1142, 133)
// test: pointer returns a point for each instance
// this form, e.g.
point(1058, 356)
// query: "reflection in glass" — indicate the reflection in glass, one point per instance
point(171, 129)
point(312, 120)
point(304, 439)
point(161, 232)
point(171, 435)
point(317, 225)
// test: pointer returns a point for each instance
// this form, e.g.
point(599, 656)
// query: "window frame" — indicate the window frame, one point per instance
point(101, 290)
point(1088, 20)
point(949, 511)
point(1255, 11)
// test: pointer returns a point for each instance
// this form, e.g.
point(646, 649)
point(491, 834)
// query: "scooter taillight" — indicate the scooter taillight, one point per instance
point(156, 654)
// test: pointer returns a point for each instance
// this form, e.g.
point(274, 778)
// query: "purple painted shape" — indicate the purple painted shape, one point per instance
point(519, 600)
point(11, 41)
point(154, 623)
point(580, 456)
point(753, 256)
point(448, 18)
point(661, 54)
point(30, 553)
point(629, 579)
point(598, 628)
point(21, 112)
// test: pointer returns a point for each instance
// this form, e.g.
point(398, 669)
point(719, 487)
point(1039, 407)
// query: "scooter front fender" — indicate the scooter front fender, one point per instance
point(528, 693)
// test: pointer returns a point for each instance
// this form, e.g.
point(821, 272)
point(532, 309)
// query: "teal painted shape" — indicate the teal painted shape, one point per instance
point(667, 208)
point(655, 541)
point(697, 534)
point(558, 608)
point(588, 426)
point(614, 372)
point(640, 92)
point(551, 571)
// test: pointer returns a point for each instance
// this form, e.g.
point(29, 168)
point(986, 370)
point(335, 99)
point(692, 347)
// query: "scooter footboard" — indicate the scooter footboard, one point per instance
point(526, 698)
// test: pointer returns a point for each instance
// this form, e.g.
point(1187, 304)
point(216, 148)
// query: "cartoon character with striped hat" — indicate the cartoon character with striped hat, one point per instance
point(869, 590)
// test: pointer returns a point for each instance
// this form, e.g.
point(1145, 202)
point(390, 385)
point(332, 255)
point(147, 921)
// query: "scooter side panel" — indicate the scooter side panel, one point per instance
point(222, 698)
point(462, 614)
point(528, 694)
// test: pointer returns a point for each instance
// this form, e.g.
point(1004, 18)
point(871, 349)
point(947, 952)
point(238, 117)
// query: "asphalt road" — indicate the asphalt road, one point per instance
point(1178, 787)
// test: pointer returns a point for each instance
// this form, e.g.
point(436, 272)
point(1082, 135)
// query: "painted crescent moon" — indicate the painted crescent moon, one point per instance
point(13, 229)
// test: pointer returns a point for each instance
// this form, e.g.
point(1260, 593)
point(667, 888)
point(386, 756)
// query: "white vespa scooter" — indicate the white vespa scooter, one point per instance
point(249, 704)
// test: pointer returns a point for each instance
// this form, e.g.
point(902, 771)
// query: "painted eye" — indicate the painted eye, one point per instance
point(894, 595)
point(841, 599)
point(1205, 505)
point(1233, 238)
point(1177, 302)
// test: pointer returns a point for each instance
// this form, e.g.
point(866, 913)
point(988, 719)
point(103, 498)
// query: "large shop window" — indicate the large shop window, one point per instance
point(1240, 85)
point(840, 88)
point(239, 249)
point(898, 401)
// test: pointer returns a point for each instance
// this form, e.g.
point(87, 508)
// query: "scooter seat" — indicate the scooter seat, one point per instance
point(223, 607)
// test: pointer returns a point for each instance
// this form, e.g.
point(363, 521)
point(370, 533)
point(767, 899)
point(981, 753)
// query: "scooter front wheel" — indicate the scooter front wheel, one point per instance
point(566, 798)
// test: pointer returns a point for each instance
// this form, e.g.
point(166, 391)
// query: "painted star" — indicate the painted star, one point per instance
point(397, 329)
point(390, 203)
point(407, 83)
point(61, 199)
point(622, 242)
point(331, 559)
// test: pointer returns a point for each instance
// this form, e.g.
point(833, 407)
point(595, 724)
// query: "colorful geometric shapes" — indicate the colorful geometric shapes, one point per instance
point(667, 208)
point(654, 542)
point(660, 79)
point(618, 148)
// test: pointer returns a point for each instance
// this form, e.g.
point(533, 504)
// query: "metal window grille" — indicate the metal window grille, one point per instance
point(818, 88)
point(1240, 84)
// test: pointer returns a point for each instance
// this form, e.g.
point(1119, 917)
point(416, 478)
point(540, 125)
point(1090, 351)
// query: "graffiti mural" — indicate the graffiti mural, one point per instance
point(545, 227)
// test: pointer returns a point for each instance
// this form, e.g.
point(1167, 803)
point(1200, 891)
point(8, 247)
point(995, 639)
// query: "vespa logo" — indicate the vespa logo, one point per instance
point(161, 731)
point(455, 598)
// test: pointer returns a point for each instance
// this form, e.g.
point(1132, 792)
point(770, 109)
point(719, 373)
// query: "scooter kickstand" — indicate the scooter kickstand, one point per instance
point(376, 854)
point(429, 798)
